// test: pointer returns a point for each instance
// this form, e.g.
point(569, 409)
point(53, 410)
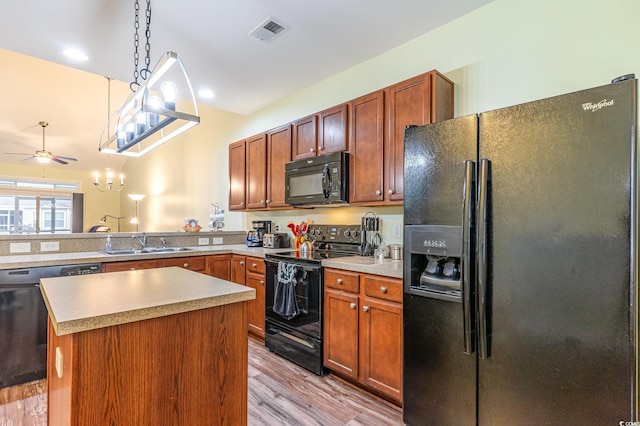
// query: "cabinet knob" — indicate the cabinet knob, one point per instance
point(322, 148)
point(254, 265)
point(383, 289)
point(352, 305)
point(242, 203)
point(268, 201)
point(390, 192)
point(312, 150)
point(339, 280)
point(186, 265)
point(261, 282)
point(242, 262)
point(133, 269)
point(378, 192)
point(365, 308)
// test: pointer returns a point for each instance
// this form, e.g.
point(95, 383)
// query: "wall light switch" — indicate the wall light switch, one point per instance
point(50, 246)
point(217, 240)
point(19, 247)
point(203, 241)
point(397, 231)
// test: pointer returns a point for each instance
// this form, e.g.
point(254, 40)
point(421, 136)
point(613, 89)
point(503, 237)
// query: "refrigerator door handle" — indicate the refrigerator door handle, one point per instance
point(468, 302)
point(483, 325)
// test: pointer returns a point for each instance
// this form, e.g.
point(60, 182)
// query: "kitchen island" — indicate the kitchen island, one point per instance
point(157, 346)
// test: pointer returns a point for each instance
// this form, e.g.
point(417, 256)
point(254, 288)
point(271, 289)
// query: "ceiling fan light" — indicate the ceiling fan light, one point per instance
point(43, 160)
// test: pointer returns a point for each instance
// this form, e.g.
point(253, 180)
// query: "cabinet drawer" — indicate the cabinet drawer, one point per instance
point(342, 280)
point(383, 288)
point(255, 264)
point(130, 265)
point(195, 263)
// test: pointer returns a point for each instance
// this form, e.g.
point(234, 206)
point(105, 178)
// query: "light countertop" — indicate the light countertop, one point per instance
point(367, 265)
point(371, 265)
point(87, 302)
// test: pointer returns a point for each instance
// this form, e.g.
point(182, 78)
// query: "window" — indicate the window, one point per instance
point(28, 207)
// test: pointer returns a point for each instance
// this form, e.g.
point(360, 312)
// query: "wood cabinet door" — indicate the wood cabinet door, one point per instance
point(381, 346)
point(332, 130)
point(341, 332)
point(305, 137)
point(257, 309)
point(237, 176)
point(131, 265)
point(279, 153)
point(219, 266)
point(257, 172)
point(238, 270)
point(367, 148)
point(409, 103)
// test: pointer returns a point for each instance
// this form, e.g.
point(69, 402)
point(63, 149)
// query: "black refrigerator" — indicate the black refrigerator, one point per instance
point(520, 264)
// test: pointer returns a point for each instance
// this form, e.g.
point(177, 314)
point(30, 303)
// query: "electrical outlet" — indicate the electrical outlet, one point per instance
point(217, 240)
point(397, 231)
point(50, 246)
point(19, 247)
point(203, 241)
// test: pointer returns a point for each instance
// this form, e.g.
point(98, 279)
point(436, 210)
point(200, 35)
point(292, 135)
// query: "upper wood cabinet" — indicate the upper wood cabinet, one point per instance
point(237, 175)
point(332, 130)
point(305, 137)
point(256, 165)
point(278, 153)
point(420, 100)
point(321, 133)
point(377, 127)
point(367, 148)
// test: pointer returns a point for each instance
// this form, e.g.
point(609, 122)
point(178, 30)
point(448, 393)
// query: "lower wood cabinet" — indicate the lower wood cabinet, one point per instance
point(250, 271)
point(217, 265)
point(363, 330)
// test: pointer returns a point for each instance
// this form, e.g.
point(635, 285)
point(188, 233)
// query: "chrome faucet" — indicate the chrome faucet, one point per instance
point(164, 242)
point(142, 241)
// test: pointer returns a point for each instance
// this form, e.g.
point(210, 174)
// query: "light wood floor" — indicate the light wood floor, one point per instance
point(280, 393)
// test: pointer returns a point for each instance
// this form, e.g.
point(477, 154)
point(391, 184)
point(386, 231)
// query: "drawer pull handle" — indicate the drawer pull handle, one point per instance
point(339, 280)
point(352, 305)
point(186, 265)
point(261, 282)
point(383, 289)
point(255, 265)
point(133, 269)
point(365, 308)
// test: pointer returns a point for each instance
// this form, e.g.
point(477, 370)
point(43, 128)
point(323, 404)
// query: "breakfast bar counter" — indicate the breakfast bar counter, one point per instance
point(155, 346)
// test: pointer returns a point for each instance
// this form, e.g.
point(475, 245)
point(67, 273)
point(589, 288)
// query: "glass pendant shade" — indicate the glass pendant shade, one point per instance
point(163, 107)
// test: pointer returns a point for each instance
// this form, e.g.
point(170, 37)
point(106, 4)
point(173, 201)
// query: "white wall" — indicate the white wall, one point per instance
point(508, 52)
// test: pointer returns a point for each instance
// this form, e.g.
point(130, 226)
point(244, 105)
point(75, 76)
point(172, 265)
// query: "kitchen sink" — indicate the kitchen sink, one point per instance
point(146, 250)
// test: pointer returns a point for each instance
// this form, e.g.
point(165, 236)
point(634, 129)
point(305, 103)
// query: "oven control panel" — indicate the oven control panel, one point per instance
point(335, 233)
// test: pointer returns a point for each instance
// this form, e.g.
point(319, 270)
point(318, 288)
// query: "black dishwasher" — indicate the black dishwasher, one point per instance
point(23, 321)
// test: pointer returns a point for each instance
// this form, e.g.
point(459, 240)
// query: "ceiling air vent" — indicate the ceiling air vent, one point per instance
point(269, 30)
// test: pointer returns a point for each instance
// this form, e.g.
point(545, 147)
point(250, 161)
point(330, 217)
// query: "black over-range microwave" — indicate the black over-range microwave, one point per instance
point(318, 181)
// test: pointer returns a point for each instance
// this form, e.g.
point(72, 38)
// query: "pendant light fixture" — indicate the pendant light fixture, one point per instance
point(152, 113)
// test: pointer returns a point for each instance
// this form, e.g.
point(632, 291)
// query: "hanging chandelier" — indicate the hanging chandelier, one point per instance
point(152, 113)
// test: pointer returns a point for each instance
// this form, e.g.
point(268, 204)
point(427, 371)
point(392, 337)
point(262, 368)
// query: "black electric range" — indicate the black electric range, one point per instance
point(294, 306)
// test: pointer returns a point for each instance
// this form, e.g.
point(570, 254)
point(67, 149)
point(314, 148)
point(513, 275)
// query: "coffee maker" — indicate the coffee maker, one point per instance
point(255, 237)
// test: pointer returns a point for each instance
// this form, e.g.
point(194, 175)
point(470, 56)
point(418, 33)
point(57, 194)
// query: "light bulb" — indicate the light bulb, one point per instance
point(155, 103)
point(120, 136)
point(169, 91)
point(141, 122)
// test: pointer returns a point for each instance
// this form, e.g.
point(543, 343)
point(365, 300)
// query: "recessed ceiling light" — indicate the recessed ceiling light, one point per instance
point(75, 54)
point(206, 93)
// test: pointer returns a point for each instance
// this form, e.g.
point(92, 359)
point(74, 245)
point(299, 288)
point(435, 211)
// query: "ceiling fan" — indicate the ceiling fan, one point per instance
point(43, 156)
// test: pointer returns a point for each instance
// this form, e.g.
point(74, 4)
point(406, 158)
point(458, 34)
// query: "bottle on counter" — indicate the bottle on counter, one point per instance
point(107, 246)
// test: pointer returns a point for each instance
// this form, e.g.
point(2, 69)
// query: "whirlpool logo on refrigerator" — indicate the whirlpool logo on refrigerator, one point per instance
point(590, 106)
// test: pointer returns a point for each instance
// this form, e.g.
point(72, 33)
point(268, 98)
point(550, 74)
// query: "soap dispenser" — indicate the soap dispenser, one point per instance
point(107, 246)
